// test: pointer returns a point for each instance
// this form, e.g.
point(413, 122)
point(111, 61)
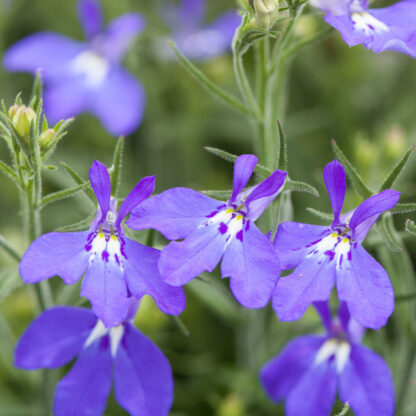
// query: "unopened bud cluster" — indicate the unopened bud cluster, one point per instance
point(21, 118)
point(265, 12)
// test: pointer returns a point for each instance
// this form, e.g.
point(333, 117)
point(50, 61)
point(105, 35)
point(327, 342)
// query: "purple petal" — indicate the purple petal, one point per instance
point(48, 51)
point(344, 315)
point(176, 212)
point(311, 281)
point(243, 168)
point(253, 267)
point(105, 287)
point(366, 384)
point(191, 12)
point(264, 193)
point(324, 312)
point(200, 251)
point(55, 254)
point(101, 185)
point(365, 286)
point(139, 193)
point(281, 375)
point(314, 394)
point(54, 338)
point(336, 7)
point(90, 15)
point(293, 239)
point(374, 205)
point(84, 390)
point(119, 35)
point(119, 102)
point(143, 380)
point(335, 182)
point(143, 278)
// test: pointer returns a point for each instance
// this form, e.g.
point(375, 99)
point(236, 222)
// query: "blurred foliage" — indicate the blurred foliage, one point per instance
point(364, 101)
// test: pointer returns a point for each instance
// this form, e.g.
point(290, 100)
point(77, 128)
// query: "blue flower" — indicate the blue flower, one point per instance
point(115, 267)
point(389, 28)
point(322, 255)
point(212, 230)
point(143, 383)
point(310, 369)
point(86, 77)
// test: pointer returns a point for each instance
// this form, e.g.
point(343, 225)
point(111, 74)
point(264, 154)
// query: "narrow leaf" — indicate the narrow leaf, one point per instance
point(10, 280)
point(9, 249)
point(405, 297)
point(36, 96)
point(355, 178)
point(388, 233)
point(298, 186)
point(410, 227)
point(82, 225)
point(282, 162)
point(180, 325)
point(8, 171)
point(221, 195)
point(322, 215)
point(59, 195)
point(397, 170)
point(211, 87)
point(403, 208)
point(116, 166)
point(78, 179)
point(344, 410)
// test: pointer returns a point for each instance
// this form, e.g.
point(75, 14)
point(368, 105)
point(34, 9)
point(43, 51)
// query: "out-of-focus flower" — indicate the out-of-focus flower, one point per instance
point(322, 255)
point(143, 383)
point(392, 27)
point(194, 38)
point(86, 77)
point(310, 370)
point(213, 230)
point(115, 267)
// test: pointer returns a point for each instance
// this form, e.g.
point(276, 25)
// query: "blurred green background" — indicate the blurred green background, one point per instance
point(366, 102)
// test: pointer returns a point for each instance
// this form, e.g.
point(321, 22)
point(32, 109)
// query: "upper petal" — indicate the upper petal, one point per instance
point(48, 51)
point(293, 239)
point(84, 390)
point(176, 212)
point(243, 168)
point(54, 338)
point(253, 267)
point(374, 205)
point(52, 254)
point(101, 185)
point(143, 278)
point(90, 15)
point(366, 384)
point(324, 312)
point(139, 193)
point(143, 381)
point(335, 182)
point(281, 374)
point(365, 286)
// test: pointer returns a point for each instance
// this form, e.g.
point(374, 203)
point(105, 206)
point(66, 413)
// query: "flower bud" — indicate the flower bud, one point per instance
point(266, 12)
point(12, 110)
point(46, 137)
point(22, 118)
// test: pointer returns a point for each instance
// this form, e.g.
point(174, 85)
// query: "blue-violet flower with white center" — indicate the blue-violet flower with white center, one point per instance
point(310, 369)
point(115, 267)
point(143, 383)
point(322, 255)
point(213, 230)
point(86, 77)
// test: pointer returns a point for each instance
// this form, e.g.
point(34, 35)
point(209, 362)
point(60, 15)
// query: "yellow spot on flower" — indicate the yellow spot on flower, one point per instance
point(239, 217)
point(229, 211)
point(114, 238)
point(345, 240)
point(101, 235)
point(334, 235)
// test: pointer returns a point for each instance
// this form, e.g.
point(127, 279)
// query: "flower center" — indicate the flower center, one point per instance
point(105, 246)
point(99, 331)
point(332, 349)
point(93, 67)
point(368, 24)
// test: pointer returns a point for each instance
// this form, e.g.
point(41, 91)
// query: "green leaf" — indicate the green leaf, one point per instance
point(8, 172)
point(78, 226)
point(229, 157)
point(10, 250)
point(405, 297)
point(210, 86)
point(218, 299)
point(78, 179)
point(179, 324)
point(298, 186)
point(322, 215)
point(36, 96)
point(59, 195)
point(386, 228)
point(10, 280)
point(403, 208)
point(221, 195)
point(410, 227)
point(282, 162)
point(116, 166)
point(397, 170)
point(344, 410)
point(356, 180)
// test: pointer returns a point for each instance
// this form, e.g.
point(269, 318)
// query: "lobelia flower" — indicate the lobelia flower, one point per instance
point(213, 230)
point(311, 368)
point(195, 39)
point(392, 27)
point(143, 383)
point(322, 255)
point(86, 77)
point(115, 267)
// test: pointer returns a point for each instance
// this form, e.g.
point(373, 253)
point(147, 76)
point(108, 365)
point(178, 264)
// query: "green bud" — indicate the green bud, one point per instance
point(265, 12)
point(22, 119)
point(12, 110)
point(46, 137)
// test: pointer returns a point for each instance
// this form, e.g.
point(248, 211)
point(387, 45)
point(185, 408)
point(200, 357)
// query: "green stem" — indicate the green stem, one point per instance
point(404, 384)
